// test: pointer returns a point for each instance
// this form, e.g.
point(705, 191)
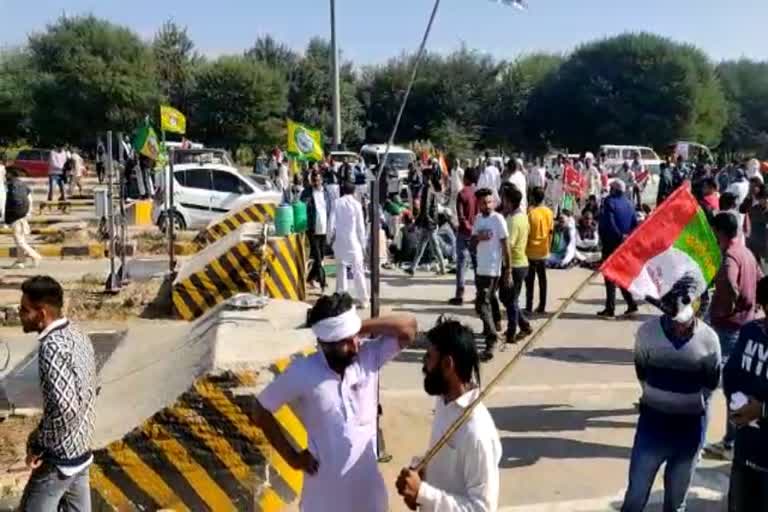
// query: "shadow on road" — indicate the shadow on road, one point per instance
point(639, 317)
point(407, 281)
point(591, 355)
point(520, 452)
point(558, 418)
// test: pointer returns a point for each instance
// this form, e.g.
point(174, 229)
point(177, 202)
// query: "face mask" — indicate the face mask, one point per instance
point(434, 382)
point(684, 314)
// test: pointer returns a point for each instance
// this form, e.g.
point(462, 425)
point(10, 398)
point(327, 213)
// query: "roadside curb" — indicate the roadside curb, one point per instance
point(92, 250)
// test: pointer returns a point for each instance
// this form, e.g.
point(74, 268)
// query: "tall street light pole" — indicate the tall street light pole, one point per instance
point(335, 78)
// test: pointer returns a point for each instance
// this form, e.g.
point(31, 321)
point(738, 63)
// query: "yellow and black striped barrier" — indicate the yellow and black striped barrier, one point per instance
point(280, 274)
point(253, 213)
point(203, 453)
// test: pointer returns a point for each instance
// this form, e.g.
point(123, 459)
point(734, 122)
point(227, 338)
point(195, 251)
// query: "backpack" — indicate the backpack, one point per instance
point(16, 202)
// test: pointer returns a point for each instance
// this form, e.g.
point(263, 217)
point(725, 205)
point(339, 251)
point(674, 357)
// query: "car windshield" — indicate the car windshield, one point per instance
point(400, 160)
point(262, 185)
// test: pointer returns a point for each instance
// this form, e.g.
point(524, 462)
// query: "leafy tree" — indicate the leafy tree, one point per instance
point(16, 80)
point(311, 95)
point(236, 100)
point(274, 54)
point(746, 87)
point(632, 89)
point(176, 61)
point(518, 81)
point(454, 138)
point(93, 76)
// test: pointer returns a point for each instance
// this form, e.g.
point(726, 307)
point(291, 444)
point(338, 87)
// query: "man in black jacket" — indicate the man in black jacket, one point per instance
point(426, 221)
point(319, 207)
point(745, 382)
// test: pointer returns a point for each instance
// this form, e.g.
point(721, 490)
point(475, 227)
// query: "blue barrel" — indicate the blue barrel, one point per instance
point(299, 217)
point(284, 220)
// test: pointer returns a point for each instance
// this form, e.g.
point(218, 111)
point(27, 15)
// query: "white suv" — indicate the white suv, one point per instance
point(203, 192)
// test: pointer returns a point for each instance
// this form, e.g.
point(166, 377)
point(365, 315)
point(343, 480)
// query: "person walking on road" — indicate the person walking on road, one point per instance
point(677, 360)
point(617, 220)
point(18, 206)
point(733, 303)
point(745, 382)
point(518, 326)
point(334, 392)
point(56, 164)
point(426, 221)
point(542, 224)
point(347, 230)
point(59, 449)
point(465, 475)
point(489, 236)
point(77, 172)
point(319, 208)
point(466, 211)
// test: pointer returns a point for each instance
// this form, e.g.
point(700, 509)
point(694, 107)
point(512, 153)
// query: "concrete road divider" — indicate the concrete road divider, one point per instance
point(239, 262)
point(90, 250)
point(230, 222)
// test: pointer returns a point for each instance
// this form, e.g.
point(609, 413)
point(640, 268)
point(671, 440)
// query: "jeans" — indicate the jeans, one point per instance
point(536, 269)
point(610, 297)
point(48, 489)
point(487, 306)
point(429, 237)
point(515, 317)
point(749, 489)
point(728, 338)
point(316, 254)
point(463, 247)
point(649, 452)
point(56, 180)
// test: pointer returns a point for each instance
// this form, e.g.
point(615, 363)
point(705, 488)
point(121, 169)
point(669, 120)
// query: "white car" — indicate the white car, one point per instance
point(202, 193)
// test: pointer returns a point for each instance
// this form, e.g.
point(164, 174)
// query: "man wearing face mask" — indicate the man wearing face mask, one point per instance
point(464, 475)
point(677, 361)
point(334, 392)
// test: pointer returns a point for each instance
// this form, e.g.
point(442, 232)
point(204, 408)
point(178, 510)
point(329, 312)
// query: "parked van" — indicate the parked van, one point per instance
point(616, 155)
point(690, 151)
point(399, 158)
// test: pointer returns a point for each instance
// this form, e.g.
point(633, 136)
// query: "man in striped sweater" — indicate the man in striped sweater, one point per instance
point(677, 360)
point(59, 449)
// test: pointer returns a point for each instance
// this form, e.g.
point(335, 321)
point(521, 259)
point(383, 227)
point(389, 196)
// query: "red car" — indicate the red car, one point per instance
point(32, 163)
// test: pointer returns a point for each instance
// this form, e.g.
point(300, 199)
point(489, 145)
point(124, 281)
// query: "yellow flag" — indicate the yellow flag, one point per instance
point(304, 143)
point(171, 120)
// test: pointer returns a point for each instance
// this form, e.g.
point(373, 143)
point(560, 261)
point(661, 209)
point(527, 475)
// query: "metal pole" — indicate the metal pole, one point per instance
point(335, 78)
point(375, 199)
point(374, 256)
point(123, 220)
point(170, 215)
point(112, 283)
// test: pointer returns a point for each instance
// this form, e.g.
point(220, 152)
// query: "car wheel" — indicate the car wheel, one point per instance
point(178, 222)
point(15, 172)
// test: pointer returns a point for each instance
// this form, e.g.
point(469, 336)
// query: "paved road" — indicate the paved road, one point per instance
point(566, 412)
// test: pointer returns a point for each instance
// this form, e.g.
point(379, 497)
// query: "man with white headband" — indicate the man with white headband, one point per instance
point(334, 392)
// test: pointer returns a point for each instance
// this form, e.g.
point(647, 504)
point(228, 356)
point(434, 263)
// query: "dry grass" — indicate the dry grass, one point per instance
point(88, 300)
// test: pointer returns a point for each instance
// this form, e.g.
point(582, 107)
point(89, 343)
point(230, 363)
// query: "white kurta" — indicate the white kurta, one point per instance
point(464, 475)
point(348, 229)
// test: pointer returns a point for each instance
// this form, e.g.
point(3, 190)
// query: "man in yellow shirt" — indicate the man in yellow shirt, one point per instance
point(542, 223)
point(517, 225)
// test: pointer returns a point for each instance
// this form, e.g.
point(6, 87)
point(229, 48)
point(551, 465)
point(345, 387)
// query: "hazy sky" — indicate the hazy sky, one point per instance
point(372, 31)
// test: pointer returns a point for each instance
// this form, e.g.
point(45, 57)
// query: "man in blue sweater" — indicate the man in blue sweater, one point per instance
point(617, 220)
point(677, 360)
point(745, 380)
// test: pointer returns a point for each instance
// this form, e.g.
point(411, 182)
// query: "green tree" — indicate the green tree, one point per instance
point(274, 54)
point(746, 86)
point(16, 80)
point(239, 100)
point(630, 89)
point(176, 60)
point(311, 99)
point(93, 76)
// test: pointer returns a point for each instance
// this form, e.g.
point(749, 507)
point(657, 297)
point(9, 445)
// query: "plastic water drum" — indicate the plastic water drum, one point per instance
point(299, 217)
point(283, 220)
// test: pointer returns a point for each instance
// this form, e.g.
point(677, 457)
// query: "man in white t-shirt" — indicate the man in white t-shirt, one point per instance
point(516, 176)
point(489, 235)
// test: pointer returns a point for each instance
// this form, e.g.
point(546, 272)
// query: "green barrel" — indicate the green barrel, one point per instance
point(299, 217)
point(284, 220)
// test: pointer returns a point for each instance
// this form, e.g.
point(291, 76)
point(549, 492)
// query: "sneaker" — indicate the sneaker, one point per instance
point(410, 271)
point(541, 310)
point(487, 354)
point(456, 301)
point(528, 312)
point(18, 264)
point(606, 313)
point(720, 450)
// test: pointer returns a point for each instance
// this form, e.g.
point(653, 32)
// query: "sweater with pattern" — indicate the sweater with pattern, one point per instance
point(68, 383)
